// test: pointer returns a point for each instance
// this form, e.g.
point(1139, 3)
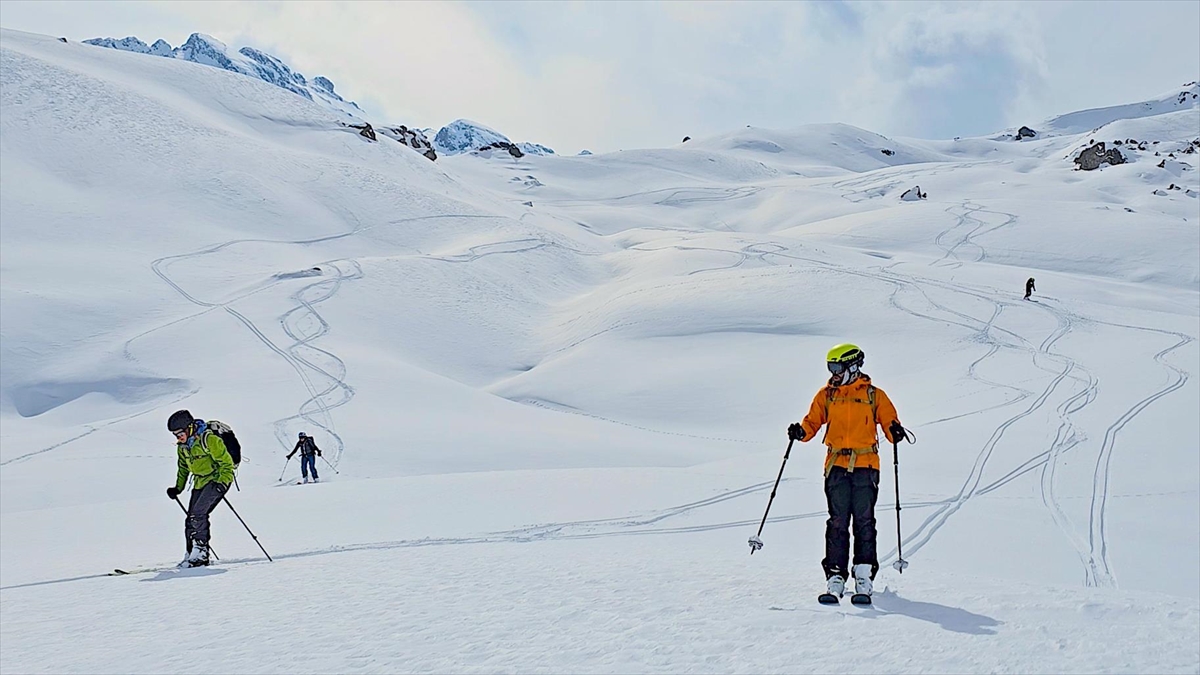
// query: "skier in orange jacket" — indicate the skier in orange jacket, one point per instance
point(851, 407)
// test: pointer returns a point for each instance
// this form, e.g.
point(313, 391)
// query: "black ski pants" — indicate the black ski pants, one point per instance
point(203, 501)
point(851, 496)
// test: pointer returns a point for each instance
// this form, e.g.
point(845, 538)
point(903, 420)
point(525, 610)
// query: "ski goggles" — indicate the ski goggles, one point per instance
point(839, 368)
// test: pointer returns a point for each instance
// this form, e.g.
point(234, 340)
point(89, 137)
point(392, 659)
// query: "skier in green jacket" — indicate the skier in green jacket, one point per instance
point(202, 455)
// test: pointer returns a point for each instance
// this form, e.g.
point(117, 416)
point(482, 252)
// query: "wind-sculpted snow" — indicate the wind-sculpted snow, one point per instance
point(552, 392)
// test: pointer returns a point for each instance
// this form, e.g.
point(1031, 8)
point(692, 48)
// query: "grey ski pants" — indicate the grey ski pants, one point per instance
point(203, 502)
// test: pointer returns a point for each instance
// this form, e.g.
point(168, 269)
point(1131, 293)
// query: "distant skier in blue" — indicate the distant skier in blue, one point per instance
point(308, 456)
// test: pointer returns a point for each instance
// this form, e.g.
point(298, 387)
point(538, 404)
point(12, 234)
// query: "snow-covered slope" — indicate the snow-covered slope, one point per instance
point(1186, 97)
point(209, 51)
point(552, 391)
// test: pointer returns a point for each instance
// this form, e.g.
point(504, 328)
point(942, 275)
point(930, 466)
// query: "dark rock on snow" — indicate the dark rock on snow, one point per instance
point(365, 130)
point(413, 138)
point(1093, 157)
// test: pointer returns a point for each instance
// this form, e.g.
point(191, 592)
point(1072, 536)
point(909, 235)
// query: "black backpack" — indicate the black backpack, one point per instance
point(231, 442)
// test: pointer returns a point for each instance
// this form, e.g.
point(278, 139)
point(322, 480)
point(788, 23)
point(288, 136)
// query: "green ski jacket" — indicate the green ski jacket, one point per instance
point(206, 458)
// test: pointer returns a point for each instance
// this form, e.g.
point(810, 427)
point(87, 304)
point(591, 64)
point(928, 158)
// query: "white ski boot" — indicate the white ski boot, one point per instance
point(306, 480)
point(862, 585)
point(199, 555)
point(835, 587)
point(316, 480)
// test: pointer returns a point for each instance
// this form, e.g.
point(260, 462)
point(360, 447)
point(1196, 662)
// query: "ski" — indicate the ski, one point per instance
point(119, 572)
point(860, 599)
point(828, 599)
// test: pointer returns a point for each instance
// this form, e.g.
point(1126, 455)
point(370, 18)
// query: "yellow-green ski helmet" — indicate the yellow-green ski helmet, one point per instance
point(844, 356)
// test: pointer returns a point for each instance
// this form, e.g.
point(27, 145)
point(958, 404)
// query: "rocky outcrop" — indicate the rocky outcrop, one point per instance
point(365, 130)
point(913, 194)
point(584, 153)
point(887, 152)
point(1094, 157)
point(511, 148)
point(413, 138)
point(1025, 132)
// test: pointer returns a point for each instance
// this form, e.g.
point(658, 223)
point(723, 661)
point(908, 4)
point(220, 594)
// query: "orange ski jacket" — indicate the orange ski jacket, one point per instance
point(851, 412)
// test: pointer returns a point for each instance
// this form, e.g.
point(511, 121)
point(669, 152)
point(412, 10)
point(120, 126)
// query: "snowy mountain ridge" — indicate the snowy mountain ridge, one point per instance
point(209, 51)
point(460, 136)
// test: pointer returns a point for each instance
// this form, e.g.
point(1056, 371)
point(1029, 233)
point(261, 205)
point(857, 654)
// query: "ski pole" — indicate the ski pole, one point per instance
point(330, 465)
point(755, 541)
point(185, 513)
point(900, 563)
point(285, 466)
point(260, 546)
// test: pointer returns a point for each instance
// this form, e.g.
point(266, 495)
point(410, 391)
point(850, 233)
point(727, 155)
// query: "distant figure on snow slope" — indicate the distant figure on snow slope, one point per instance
point(851, 407)
point(203, 456)
point(1029, 289)
point(308, 456)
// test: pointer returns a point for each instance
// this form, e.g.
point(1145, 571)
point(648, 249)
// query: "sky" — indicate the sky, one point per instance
point(617, 75)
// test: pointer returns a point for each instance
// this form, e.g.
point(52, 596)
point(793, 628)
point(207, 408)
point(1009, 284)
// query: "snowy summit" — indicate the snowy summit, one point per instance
point(464, 136)
point(209, 51)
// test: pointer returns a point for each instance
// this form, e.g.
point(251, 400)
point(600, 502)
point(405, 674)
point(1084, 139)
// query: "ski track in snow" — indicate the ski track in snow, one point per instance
point(598, 528)
point(1068, 437)
point(291, 355)
point(979, 228)
point(1093, 554)
point(962, 234)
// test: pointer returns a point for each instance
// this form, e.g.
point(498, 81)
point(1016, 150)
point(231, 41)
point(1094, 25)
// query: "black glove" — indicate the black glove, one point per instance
point(318, 453)
point(898, 433)
point(173, 492)
point(796, 432)
point(290, 455)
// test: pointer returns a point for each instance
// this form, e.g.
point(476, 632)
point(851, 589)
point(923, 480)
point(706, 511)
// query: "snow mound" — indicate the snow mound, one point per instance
point(837, 146)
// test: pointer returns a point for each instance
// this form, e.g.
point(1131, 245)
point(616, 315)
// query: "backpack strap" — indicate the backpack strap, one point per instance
point(831, 396)
point(832, 455)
